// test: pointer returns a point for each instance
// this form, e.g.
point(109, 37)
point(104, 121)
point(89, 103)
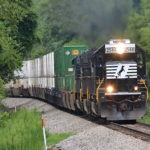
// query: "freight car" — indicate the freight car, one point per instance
point(108, 82)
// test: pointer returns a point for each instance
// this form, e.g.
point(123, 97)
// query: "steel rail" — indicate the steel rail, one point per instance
point(130, 131)
point(143, 124)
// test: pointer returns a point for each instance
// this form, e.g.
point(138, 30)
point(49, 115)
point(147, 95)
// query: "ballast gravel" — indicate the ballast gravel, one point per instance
point(101, 138)
point(88, 135)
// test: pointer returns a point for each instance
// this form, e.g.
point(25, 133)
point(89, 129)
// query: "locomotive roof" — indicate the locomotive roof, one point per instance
point(102, 50)
point(93, 52)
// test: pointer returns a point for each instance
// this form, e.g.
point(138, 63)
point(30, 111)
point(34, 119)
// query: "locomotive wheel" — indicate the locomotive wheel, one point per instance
point(94, 108)
point(87, 106)
point(72, 101)
point(68, 101)
point(64, 99)
point(79, 105)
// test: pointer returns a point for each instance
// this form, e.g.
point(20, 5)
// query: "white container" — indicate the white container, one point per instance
point(38, 72)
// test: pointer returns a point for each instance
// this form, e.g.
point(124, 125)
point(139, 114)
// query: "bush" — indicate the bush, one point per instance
point(2, 90)
point(3, 118)
point(21, 131)
point(146, 118)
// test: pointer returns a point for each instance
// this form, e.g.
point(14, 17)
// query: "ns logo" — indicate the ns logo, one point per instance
point(121, 70)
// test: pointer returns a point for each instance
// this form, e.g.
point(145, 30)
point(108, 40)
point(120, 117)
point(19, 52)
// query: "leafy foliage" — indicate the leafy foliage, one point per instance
point(25, 34)
point(23, 131)
point(83, 20)
point(38, 50)
point(2, 91)
point(54, 29)
point(9, 59)
point(3, 118)
point(146, 118)
point(138, 28)
point(17, 26)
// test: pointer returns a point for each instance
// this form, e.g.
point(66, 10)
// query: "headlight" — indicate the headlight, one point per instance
point(120, 48)
point(109, 89)
point(136, 88)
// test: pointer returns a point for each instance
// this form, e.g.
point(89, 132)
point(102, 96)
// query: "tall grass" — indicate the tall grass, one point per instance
point(21, 131)
point(56, 138)
point(2, 90)
point(146, 118)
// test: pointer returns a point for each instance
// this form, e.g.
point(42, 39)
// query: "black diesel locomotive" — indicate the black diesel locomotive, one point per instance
point(110, 82)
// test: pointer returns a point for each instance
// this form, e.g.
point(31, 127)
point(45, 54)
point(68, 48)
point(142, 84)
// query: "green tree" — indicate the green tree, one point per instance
point(84, 20)
point(17, 26)
point(138, 28)
point(54, 23)
point(9, 58)
point(2, 91)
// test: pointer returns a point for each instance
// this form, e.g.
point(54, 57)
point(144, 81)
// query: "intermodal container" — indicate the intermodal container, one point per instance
point(64, 71)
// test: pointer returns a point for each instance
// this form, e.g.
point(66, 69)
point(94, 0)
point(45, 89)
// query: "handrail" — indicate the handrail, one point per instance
point(143, 81)
point(80, 94)
point(87, 93)
point(97, 90)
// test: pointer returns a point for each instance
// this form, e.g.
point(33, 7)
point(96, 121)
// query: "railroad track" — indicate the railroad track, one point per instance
point(138, 130)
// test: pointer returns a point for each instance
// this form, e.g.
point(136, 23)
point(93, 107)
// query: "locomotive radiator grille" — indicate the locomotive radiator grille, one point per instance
point(121, 70)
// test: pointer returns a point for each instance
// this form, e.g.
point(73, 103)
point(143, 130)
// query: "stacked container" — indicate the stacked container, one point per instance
point(49, 70)
point(64, 71)
point(37, 73)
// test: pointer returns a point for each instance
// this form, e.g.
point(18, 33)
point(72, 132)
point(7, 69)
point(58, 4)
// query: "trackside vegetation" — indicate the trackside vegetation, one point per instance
point(17, 27)
point(2, 90)
point(146, 118)
point(23, 131)
point(56, 138)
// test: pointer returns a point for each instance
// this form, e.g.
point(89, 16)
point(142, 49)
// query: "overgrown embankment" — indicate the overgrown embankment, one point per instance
point(2, 90)
point(146, 118)
point(22, 130)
